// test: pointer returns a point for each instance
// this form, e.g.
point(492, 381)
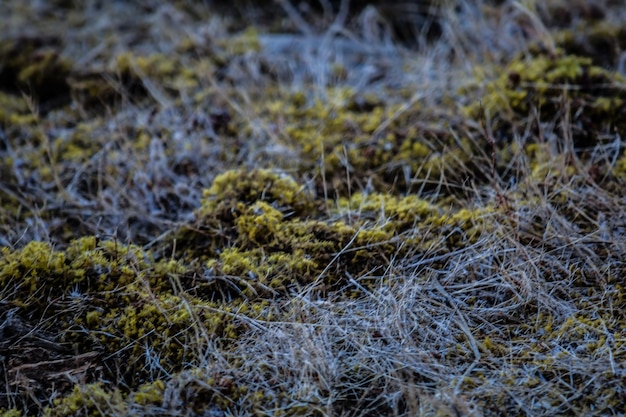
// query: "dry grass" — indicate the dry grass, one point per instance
point(499, 292)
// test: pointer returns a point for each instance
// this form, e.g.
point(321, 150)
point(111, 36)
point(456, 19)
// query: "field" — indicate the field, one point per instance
point(312, 208)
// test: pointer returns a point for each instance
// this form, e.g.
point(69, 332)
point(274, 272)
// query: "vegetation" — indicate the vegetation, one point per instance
point(322, 208)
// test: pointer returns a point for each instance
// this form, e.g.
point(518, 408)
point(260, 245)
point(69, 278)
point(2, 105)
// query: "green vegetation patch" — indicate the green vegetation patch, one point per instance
point(257, 230)
point(113, 300)
point(546, 88)
point(350, 140)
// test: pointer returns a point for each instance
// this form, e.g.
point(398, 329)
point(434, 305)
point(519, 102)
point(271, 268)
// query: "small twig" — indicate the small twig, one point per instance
point(501, 199)
point(296, 17)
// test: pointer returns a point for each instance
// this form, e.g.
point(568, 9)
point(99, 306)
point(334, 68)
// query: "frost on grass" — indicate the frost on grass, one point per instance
point(200, 220)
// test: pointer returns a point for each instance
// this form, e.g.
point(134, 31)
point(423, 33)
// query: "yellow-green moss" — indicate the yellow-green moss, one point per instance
point(10, 413)
point(350, 137)
point(141, 321)
point(392, 213)
point(107, 87)
point(32, 268)
point(151, 393)
point(155, 67)
point(113, 296)
point(14, 110)
point(551, 84)
point(270, 252)
point(619, 170)
point(228, 207)
point(246, 42)
point(259, 224)
point(92, 400)
point(249, 186)
point(263, 274)
point(602, 42)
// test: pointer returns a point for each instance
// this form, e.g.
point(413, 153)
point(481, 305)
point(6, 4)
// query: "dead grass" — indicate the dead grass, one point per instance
point(505, 297)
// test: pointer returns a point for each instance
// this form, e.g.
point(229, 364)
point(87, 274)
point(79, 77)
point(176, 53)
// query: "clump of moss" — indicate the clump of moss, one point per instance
point(254, 226)
point(229, 195)
point(352, 140)
point(140, 317)
point(86, 265)
point(265, 236)
point(591, 97)
point(15, 110)
point(251, 231)
point(277, 189)
point(89, 400)
point(10, 412)
point(272, 255)
point(113, 299)
point(130, 76)
point(151, 324)
point(601, 42)
point(209, 391)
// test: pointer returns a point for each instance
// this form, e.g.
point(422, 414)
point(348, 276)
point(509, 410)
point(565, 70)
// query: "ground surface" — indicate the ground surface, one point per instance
point(324, 208)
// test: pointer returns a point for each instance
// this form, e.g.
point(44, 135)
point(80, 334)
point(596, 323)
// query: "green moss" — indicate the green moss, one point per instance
point(138, 322)
point(592, 96)
point(245, 43)
point(25, 272)
point(602, 42)
point(270, 251)
point(259, 274)
point(348, 138)
point(392, 213)
point(113, 297)
point(224, 212)
point(247, 187)
point(466, 226)
point(273, 252)
point(14, 111)
point(89, 400)
point(619, 170)
point(10, 413)
point(259, 224)
point(151, 393)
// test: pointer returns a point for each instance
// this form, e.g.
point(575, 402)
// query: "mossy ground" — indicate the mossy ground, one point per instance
point(306, 212)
